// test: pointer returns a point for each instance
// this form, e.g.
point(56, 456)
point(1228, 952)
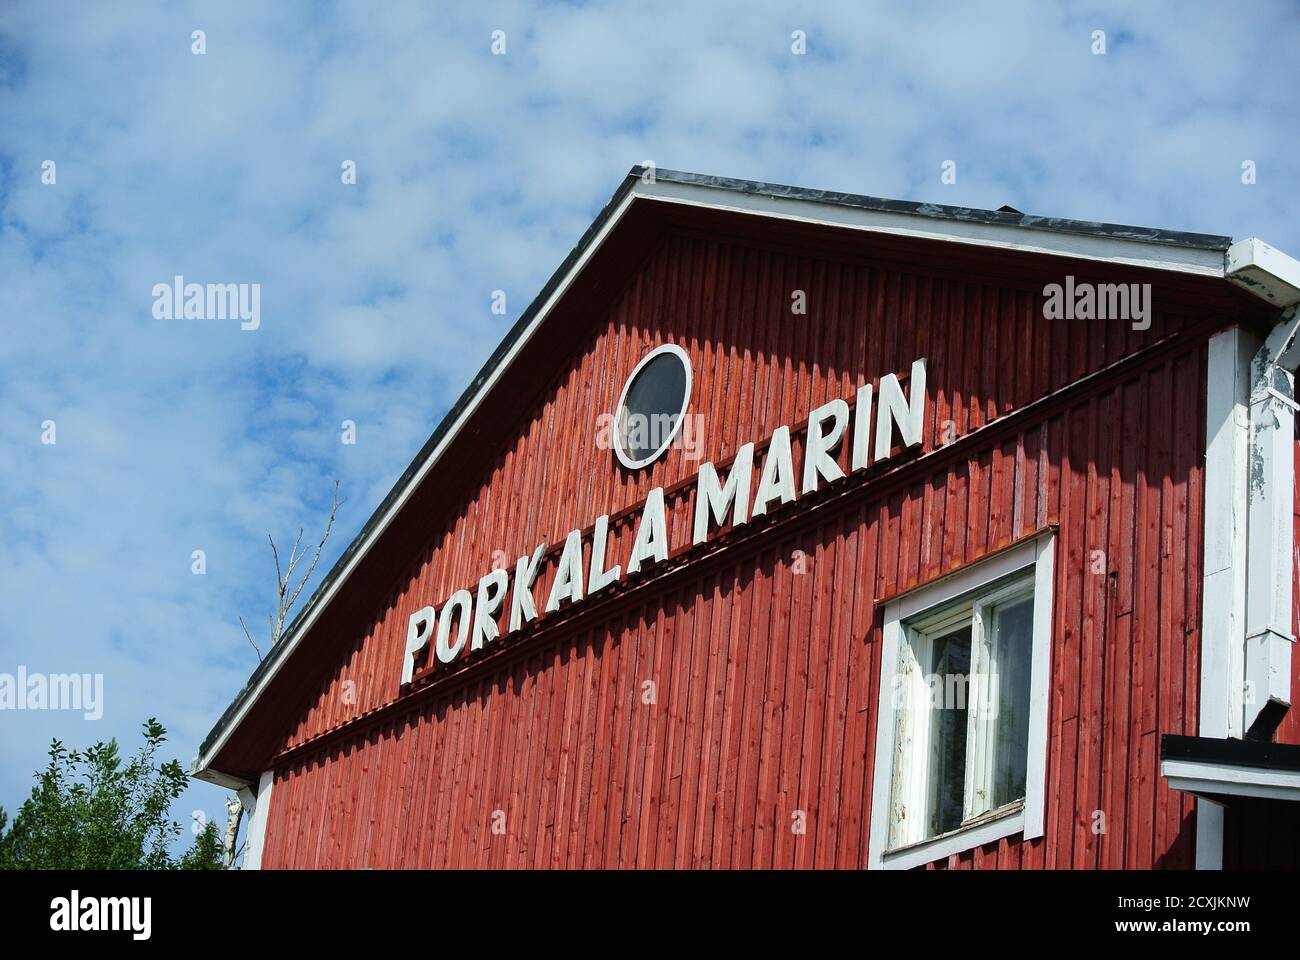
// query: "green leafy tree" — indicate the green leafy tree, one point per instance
point(93, 810)
point(206, 854)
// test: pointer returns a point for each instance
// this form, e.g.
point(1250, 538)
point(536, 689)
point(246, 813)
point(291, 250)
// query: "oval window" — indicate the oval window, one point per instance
point(652, 406)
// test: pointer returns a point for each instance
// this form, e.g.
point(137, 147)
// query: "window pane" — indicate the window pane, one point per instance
point(1012, 655)
point(653, 405)
point(949, 671)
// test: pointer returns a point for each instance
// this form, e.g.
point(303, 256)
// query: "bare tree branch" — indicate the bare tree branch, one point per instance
point(329, 525)
point(287, 591)
point(294, 557)
point(250, 638)
point(275, 553)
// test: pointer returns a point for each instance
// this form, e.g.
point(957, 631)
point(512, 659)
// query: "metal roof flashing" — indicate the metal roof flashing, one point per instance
point(1203, 254)
point(1005, 217)
point(1147, 247)
point(1223, 769)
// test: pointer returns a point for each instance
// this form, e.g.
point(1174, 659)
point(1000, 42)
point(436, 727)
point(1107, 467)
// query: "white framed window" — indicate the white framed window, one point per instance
point(652, 405)
point(961, 735)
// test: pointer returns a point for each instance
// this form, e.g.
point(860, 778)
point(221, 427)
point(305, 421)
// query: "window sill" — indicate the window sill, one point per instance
point(987, 828)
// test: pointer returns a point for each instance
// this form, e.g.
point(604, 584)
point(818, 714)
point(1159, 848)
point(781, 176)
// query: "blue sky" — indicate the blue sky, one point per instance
point(474, 173)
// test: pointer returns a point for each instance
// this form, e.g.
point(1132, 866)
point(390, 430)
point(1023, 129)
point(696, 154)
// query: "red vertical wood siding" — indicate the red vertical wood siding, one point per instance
point(1261, 834)
point(691, 722)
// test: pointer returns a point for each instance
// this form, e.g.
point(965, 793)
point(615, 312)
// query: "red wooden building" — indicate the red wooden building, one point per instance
point(801, 529)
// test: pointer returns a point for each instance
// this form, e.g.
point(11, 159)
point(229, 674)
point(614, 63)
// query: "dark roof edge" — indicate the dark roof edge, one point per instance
point(1239, 753)
point(938, 211)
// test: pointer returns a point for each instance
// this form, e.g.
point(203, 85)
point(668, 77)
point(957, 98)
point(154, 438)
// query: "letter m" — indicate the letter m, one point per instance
point(1112, 301)
point(712, 499)
point(223, 301)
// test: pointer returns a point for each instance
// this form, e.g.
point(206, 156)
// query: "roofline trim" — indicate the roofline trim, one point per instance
point(1134, 246)
point(1265, 271)
point(1214, 781)
point(1215, 768)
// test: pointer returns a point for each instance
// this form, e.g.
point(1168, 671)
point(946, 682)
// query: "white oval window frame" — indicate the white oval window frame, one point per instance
point(619, 452)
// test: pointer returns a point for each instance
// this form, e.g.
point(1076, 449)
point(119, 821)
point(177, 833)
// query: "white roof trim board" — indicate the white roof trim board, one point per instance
point(1107, 248)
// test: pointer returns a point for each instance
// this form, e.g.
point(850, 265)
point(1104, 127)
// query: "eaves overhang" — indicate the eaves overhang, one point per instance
point(1147, 247)
point(1265, 271)
point(1220, 769)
